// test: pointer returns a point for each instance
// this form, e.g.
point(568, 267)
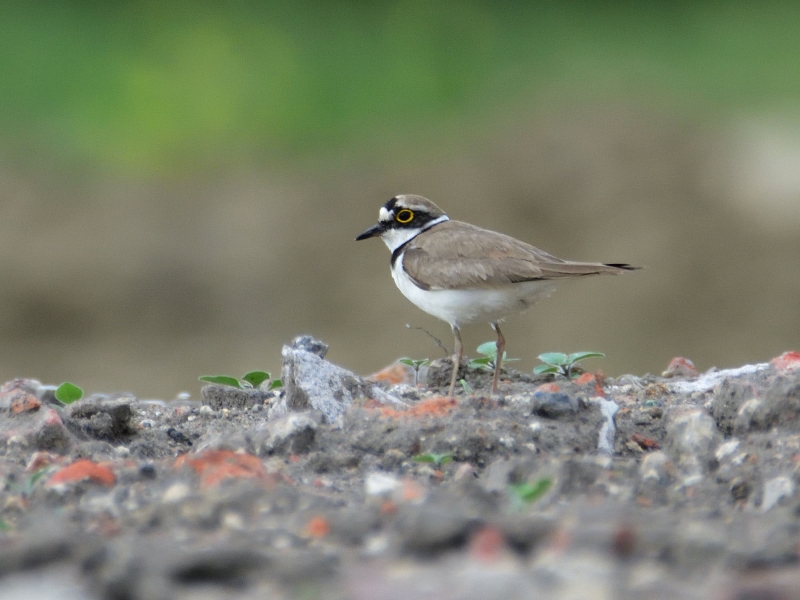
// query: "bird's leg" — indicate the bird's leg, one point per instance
point(456, 359)
point(498, 361)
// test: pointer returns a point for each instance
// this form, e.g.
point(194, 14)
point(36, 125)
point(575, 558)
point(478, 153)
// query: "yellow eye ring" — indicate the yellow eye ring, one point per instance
point(404, 216)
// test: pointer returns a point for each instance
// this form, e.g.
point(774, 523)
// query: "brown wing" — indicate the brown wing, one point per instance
point(468, 257)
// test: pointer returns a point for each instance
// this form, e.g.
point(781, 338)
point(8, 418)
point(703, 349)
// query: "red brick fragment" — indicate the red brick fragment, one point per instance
point(645, 443)
point(83, 470)
point(317, 527)
point(591, 379)
point(680, 367)
point(412, 491)
point(214, 466)
point(434, 407)
point(548, 387)
point(487, 545)
point(22, 401)
point(787, 360)
point(394, 374)
point(624, 543)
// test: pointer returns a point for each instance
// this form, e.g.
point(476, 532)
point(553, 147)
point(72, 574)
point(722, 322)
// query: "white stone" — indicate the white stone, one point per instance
point(381, 484)
point(727, 449)
point(775, 490)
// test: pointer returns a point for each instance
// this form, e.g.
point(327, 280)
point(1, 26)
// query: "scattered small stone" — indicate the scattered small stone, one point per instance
point(178, 436)
point(218, 397)
point(293, 433)
point(554, 405)
point(691, 437)
point(310, 383)
point(430, 528)
point(775, 490)
point(381, 484)
point(680, 367)
point(104, 417)
point(787, 361)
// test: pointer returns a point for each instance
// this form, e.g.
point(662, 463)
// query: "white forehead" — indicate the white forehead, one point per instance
point(384, 215)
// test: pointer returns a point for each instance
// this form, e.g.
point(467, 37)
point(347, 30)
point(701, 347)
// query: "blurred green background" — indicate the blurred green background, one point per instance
point(180, 183)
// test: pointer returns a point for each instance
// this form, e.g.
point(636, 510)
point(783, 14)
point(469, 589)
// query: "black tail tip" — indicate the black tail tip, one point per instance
point(623, 266)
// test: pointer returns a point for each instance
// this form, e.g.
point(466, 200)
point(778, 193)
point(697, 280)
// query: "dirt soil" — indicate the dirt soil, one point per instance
point(677, 486)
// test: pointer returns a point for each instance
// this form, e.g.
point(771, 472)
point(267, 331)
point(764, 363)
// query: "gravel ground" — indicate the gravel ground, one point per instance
point(679, 486)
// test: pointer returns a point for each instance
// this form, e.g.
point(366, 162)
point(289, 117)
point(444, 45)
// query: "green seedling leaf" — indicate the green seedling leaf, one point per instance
point(576, 356)
point(481, 363)
point(443, 459)
point(414, 364)
point(554, 358)
point(31, 481)
point(68, 393)
point(275, 384)
point(530, 492)
point(222, 380)
point(488, 349)
point(467, 389)
point(432, 457)
point(4, 526)
point(542, 369)
point(256, 378)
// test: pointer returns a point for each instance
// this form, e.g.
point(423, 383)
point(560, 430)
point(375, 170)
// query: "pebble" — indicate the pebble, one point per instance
point(775, 490)
point(311, 383)
point(381, 484)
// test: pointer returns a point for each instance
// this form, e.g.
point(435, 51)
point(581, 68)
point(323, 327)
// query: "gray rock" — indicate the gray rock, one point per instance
point(605, 439)
point(778, 406)
point(527, 532)
point(695, 546)
point(103, 417)
point(293, 433)
point(691, 437)
point(554, 405)
point(430, 528)
point(578, 475)
point(352, 525)
point(775, 490)
point(224, 396)
point(310, 344)
point(38, 430)
point(311, 383)
point(656, 477)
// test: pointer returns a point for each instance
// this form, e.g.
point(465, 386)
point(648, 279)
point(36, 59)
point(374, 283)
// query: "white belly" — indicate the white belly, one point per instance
point(465, 307)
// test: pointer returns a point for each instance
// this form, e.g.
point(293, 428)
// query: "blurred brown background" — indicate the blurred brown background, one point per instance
point(180, 188)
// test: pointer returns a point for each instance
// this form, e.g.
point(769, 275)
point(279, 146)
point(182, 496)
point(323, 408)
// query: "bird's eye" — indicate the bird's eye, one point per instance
point(404, 216)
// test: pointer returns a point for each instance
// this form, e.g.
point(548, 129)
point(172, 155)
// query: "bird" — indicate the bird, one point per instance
point(463, 274)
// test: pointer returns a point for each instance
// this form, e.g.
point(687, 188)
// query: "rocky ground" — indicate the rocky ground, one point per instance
point(679, 486)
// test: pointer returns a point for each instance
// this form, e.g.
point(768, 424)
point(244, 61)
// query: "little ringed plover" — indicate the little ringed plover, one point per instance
point(463, 274)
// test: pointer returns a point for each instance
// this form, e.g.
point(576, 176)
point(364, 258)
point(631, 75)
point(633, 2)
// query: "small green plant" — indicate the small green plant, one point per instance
point(25, 488)
point(67, 393)
point(416, 365)
point(487, 361)
point(527, 493)
point(467, 388)
point(431, 457)
point(562, 364)
point(250, 380)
